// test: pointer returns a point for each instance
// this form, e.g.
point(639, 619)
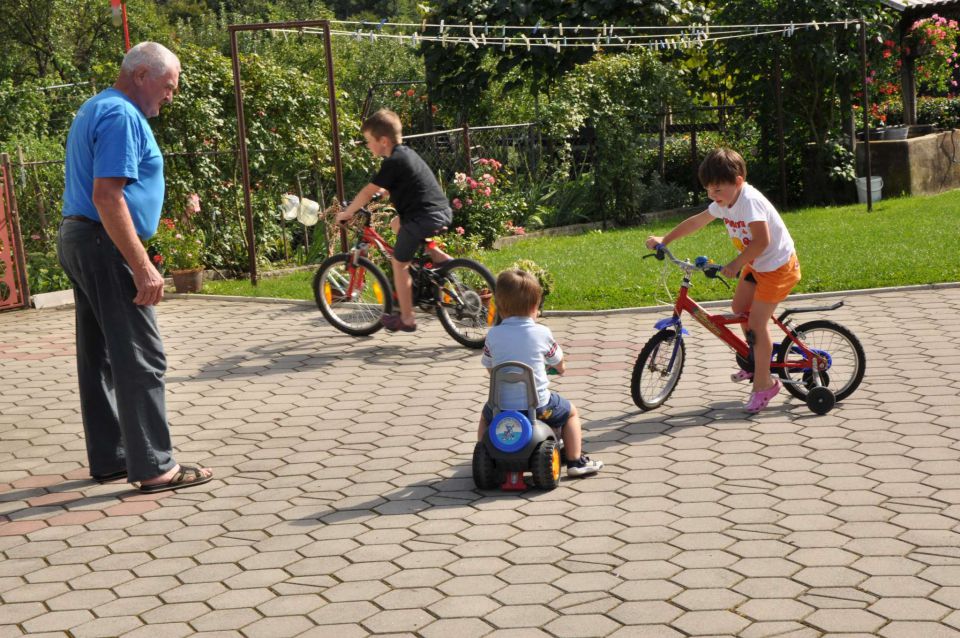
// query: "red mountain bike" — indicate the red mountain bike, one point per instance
point(820, 362)
point(353, 292)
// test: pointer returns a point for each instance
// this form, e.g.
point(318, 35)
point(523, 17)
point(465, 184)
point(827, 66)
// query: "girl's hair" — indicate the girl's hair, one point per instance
point(722, 166)
point(384, 123)
point(157, 58)
point(517, 294)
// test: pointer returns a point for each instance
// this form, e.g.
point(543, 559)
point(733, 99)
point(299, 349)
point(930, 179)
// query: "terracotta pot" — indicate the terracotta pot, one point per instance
point(187, 280)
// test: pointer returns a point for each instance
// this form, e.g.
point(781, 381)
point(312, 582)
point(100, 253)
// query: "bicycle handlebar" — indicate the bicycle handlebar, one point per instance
point(703, 264)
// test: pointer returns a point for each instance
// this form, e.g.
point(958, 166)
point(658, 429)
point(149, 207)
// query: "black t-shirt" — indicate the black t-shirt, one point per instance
point(414, 190)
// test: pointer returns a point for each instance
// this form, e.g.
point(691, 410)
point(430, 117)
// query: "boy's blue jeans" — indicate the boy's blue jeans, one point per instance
point(120, 359)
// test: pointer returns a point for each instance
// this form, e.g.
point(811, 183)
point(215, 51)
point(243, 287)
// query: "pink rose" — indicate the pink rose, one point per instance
point(486, 205)
point(460, 230)
point(469, 202)
point(487, 191)
point(457, 204)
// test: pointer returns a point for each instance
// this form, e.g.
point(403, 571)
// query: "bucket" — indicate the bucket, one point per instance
point(876, 185)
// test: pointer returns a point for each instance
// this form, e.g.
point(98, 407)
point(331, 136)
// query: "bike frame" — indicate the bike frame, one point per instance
point(717, 325)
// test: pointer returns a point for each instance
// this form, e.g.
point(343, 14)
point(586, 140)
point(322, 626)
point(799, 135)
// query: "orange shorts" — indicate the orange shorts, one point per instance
point(775, 285)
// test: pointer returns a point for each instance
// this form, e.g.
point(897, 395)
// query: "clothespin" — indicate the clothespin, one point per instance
point(380, 26)
point(470, 30)
point(816, 27)
point(356, 36)
point(536, 28)
point(503, 38)
point(790, 30)
point(473, 41)
point(483, 38)
point(546, 40)
point(564, 41)
point(441, 26)
point(423, 25)
point(560, 27)
point(486, 28)
point(372, 36)
point(413, 39)
point(525, 41)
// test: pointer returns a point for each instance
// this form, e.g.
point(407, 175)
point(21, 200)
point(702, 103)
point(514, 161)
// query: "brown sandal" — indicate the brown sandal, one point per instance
point(188, 476)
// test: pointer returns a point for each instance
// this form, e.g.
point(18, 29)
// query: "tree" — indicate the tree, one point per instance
point(460, 74)
point(820, 70)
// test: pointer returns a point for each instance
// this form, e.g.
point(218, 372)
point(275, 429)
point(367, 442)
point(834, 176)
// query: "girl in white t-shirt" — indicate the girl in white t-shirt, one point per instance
point(767, 263)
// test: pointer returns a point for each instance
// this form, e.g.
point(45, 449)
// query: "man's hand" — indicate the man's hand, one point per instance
point(653, 241)
point(149, 285)
point(343, 217)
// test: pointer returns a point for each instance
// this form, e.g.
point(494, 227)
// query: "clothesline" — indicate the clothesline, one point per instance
point(605, 36)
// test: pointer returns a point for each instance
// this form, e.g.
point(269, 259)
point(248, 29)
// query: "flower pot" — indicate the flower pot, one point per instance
point(187, 280)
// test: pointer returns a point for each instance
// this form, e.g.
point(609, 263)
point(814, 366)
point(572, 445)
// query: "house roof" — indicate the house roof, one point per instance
point(912, 5)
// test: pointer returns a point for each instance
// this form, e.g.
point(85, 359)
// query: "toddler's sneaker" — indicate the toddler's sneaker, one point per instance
point(583, 466)
point(759, 400)
point(741, 375)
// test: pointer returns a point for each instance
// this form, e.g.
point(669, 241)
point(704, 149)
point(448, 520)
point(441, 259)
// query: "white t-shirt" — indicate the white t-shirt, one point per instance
point(522, 339)
point(752, 206)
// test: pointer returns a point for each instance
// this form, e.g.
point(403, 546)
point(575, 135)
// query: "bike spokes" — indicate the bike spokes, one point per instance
point(465, 303)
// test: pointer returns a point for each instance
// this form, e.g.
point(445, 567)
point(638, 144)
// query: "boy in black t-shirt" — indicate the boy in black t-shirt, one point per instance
point(422, 208)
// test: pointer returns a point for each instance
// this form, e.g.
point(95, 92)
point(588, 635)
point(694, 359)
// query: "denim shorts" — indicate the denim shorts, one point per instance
point(555, 413)
point(414, 231)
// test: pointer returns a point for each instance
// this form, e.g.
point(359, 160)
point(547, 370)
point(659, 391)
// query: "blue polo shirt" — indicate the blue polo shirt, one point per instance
point(110, 137)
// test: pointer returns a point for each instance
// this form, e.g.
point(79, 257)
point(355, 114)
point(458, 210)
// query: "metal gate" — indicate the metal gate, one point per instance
point(14, 292)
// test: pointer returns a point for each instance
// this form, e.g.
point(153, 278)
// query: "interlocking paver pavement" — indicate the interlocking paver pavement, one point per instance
point(343, 503)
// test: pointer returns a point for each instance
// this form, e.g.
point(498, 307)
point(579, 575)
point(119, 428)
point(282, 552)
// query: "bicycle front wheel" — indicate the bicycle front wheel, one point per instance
point(465, 303)
point(846, 358)
point(352, 298)
point(657, 370)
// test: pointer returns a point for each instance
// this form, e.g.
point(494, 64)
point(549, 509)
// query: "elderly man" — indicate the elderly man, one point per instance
point(112, 200)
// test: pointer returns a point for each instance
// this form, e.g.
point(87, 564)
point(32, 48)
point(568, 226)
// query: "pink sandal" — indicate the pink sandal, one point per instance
point(741, 375)
point(759, 400)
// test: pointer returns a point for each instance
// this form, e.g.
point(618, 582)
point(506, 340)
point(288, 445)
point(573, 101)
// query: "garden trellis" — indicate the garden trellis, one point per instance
point(552, 36)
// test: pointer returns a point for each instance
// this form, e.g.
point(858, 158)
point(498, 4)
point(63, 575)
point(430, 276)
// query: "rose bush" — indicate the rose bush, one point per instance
point(481, 206)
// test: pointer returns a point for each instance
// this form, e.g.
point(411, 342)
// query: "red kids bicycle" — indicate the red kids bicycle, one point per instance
point(820, 362)
point(353, 292)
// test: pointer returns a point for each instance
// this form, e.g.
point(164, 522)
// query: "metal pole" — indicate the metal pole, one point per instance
point(335, 125)
point(126, 28)
point(244, 162)
point(781, 145)
point(466, 149)
point(866, 112)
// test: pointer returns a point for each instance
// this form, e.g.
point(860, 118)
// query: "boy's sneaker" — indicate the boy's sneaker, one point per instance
point(583, 466)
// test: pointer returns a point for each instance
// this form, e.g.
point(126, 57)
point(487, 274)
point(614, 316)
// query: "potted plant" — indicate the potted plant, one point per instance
point(542, 274)
point(178, 249)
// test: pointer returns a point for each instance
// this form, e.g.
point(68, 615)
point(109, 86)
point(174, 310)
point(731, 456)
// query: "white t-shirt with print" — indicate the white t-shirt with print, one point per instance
point(752, 206)
point(522, 339)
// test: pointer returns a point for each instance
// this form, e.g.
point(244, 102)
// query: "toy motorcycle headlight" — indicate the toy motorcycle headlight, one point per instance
point(510, 431)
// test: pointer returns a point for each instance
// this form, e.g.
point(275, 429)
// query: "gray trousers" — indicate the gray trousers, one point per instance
point(120, 359)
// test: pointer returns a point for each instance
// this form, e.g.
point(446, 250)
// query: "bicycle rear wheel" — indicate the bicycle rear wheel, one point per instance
point(657, 370)
point(352, 298)
point(844, 352)
point(465, 304)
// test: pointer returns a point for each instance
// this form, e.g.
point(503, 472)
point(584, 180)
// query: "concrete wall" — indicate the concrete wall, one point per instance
point(922, 165)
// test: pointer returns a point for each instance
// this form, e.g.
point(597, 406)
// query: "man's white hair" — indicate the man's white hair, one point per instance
point(157, 58)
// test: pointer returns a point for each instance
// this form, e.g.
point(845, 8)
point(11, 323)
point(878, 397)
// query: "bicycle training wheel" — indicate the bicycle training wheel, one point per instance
point(844, 352)
point(352, 298)
point(657, 370)
point(465, 303)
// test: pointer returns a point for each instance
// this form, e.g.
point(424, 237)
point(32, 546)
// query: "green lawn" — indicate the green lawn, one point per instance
point(913, 240)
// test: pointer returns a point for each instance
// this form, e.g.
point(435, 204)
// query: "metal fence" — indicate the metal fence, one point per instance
point(458, 150)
